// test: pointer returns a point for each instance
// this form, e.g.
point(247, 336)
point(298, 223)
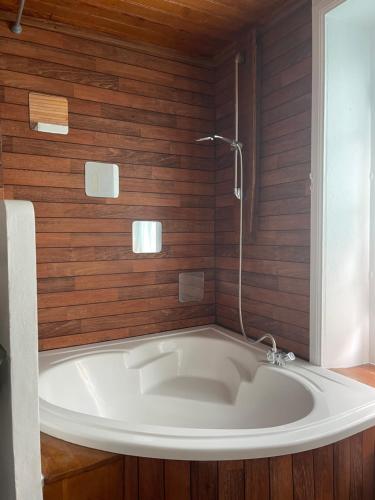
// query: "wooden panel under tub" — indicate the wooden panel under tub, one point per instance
point(341, 471)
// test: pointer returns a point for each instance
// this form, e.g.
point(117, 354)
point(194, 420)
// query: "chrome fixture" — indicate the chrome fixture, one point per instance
point(16, 27)
point(280, 358)
point(239, 59)
point(235, 146)
point(274, 356)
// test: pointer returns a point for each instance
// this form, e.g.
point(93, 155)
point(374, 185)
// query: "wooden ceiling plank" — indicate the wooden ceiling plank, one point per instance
point(123, 21)
point(212, 8)
point(127, 27)
point(157, 12)
point(196, 28)
point(215, 19)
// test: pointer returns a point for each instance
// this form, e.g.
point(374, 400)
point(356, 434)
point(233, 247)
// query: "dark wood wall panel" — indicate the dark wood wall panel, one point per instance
point(276, 259)
point(340, 471)
point(143, 112)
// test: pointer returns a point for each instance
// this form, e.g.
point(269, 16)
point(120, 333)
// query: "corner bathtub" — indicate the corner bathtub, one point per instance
point(195, 394)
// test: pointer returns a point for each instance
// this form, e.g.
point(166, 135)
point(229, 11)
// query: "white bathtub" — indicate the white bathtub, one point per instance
point(196, 394)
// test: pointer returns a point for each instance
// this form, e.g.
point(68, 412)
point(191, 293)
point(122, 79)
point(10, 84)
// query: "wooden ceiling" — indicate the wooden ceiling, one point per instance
point(192, 27)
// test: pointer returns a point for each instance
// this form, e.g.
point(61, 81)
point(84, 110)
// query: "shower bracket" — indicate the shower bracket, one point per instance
point(16, 27)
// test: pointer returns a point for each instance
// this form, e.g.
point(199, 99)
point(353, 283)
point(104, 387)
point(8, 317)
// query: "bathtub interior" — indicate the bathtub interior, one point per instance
point(198, 380)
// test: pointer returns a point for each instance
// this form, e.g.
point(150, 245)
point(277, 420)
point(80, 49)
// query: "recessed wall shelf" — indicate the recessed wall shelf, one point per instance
point(102, 180)
point(147, 236)
point(48, 113)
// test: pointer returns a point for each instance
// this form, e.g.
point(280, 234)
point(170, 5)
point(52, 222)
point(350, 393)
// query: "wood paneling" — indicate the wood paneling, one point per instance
point(192, 27)
point(276, 260)
point(204, 480)
point(143, 112)
point(150, 479)
point(48, 109)
point(62, 460)
point(341, 471)
point(177, 479)
point(102, 483)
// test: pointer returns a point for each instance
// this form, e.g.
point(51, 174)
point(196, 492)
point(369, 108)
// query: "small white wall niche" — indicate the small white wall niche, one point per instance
point(102, 180)
point(147, 236)
point(20, 462)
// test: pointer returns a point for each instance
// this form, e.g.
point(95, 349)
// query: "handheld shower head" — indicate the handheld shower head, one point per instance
point(235, 146)
point(232, 143)
point(203, 139)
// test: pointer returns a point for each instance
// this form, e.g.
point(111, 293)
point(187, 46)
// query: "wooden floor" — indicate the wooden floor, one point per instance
point(362, 373)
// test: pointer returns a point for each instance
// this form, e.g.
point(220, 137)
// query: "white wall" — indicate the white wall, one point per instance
point(20, 465)
point(346, 314)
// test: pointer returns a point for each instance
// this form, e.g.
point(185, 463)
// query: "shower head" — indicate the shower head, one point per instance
point(233, 143)
point(235, 146)
point(203, 139)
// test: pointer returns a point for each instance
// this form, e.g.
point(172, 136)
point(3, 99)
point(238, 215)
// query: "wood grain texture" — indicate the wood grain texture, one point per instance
point(356, 467)
point(204, 480)
point(143, 112)
point(231, 482)
point(281, 477)
point(276, 259)
point(303, 476)
point(192, 27)
point(323, 473)
point(53, 491)
point(150, 479)
point(257, 479)
point(363, 373)
point(102, 483)
point(368, 449)
point(341, 471)
point(73, 472)
point(131, 479)
point(48, 109)
point(61, 460)
point(177, 479)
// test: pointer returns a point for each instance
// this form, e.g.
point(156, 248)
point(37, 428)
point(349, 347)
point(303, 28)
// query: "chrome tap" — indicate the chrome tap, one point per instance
point(274, 355)
point(279, 358)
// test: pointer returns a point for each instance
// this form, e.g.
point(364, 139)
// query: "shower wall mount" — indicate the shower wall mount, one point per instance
point(239, 149)
point(16, 27)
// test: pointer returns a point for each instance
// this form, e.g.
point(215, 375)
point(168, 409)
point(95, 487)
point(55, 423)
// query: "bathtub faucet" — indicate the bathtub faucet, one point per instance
point(280, 358)
point(274, 355)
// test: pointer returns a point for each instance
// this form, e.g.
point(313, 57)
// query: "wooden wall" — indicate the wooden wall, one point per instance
point(341, 471)
point(276, 262)
point(143, 112)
